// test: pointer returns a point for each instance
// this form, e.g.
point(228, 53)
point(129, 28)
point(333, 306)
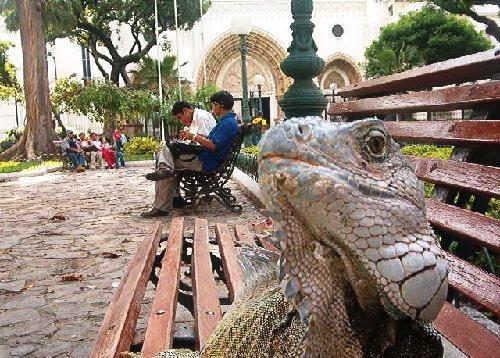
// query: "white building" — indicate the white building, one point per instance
point(343, 30)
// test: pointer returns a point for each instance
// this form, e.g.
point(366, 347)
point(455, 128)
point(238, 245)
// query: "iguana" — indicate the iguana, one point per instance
point(360, 272)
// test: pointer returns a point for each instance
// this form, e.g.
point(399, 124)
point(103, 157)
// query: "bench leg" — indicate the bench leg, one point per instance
point(226, 198)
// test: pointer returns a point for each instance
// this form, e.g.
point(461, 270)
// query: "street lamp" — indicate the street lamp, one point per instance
point(252, 89)
point(242, 25)
point(259, 81)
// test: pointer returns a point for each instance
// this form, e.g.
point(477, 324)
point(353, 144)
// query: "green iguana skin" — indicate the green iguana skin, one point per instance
point(360, 272)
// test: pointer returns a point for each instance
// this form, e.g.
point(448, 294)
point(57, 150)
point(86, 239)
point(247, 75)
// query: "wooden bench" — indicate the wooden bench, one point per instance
point(199, 185)
point(63, 158)
point(463, 185)
point(215, 278)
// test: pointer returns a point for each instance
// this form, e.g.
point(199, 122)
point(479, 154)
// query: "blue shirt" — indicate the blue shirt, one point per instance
point(222, 136)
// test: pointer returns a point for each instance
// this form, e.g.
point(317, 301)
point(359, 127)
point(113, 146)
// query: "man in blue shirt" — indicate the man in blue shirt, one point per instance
point(216, 146)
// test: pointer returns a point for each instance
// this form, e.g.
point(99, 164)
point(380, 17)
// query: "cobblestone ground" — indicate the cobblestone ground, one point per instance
point(57, 276)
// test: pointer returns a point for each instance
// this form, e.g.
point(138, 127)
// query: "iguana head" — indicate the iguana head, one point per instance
point(343, 192)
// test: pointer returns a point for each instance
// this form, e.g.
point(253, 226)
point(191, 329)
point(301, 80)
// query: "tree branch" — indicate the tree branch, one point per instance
point(96, 55)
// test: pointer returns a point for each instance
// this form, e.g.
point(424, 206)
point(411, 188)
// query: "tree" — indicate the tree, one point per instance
point(146, 74)
point(421, 38)
point(39, 132)
point(99, 26)
point(465, 7)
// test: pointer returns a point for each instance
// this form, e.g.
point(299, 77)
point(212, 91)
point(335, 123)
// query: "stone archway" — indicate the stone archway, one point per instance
point(264, 56)
point(341, 70)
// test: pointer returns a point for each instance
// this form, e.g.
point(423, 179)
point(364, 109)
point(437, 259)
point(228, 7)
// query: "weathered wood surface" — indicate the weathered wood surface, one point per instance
point(207, 311)
point(465, 224)
point(244, 235)
point(466, 133)
point(472, 339)
point(446, 99)
point(118, 327)
point(161, 321)
point(473, 178)
point(458, 70)
point(232, 270)
point(474, 283)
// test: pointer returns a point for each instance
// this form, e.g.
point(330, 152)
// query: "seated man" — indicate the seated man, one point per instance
point(197, 120)
point(71, 149)
point(216, 146)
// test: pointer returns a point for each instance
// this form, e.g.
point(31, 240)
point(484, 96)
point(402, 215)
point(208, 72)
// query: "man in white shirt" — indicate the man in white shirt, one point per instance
point(198, 120)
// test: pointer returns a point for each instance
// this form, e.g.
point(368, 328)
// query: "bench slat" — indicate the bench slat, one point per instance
point(207, 311)
point(480, 229)
point(474, 283)
point(445, 132)
point(457, 70)
point(244, 235)
point(161, 321)
point(118, 327)
point(445, 99)
point(474, 178)
point(465, 334)
point(232, 270)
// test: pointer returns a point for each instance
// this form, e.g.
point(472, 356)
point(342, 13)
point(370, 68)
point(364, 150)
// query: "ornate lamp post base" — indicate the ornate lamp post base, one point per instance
point(303, 98)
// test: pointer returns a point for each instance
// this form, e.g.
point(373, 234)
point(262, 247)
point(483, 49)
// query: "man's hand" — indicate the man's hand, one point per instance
point(185, 135)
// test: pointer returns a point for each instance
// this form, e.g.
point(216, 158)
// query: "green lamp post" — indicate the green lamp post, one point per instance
point(303, 97)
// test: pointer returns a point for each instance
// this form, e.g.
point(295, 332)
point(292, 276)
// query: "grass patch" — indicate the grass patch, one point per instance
point(14, 167)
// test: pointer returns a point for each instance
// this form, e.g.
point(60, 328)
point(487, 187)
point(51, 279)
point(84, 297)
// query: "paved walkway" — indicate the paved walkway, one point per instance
point(65, 239)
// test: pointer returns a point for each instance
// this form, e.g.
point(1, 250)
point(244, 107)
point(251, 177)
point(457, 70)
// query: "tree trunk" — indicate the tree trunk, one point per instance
point(39, 132)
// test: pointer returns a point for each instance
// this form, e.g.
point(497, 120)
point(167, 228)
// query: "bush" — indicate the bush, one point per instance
point(427, 151)
point(141, 145)
point(13, 136)
point(253, 150)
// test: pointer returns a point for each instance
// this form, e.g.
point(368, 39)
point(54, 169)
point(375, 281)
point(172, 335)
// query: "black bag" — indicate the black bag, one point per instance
point(178, 148)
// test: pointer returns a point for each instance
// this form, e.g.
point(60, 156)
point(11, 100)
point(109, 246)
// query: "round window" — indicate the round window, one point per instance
point(337, 30)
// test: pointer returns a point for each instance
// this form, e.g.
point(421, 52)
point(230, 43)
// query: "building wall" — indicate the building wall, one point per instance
point(360, 19)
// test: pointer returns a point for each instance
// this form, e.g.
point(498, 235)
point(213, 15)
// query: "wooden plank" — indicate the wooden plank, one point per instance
point(117, 329)
point(464, 133)
point(480, 229)
point(207, 311)
point(244, 235)
point(473, 178)
point(161, 321)
point(477, 96)
point(232, 270)
point(475, 284)
point(465, 334)
point(458, 70)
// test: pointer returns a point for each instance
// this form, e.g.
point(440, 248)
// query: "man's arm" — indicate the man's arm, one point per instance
point(205, 142)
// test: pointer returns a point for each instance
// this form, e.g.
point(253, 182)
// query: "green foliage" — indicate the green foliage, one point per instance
point(427, 151)
point(422, 37)
point(9, 86)
point(12, 137)
point(494, 209)
point(103, 101)
point(202, 96)
point(145, 76)
point(141, 146)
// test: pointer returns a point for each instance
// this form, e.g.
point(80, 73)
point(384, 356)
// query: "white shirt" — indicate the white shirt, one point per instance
point(203, 122)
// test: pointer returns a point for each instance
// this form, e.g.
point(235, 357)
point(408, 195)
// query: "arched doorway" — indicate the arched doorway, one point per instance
point(223, 68)
point(340, 70)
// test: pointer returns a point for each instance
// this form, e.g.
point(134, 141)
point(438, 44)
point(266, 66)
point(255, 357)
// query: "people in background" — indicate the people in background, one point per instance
point(108, 153)
point(259, 125)
point(119, 141)
point(95, 147)
point(216, 146)
point(72, 150)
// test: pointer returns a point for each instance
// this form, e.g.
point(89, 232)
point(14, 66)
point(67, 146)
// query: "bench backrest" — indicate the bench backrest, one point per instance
point(463, 185)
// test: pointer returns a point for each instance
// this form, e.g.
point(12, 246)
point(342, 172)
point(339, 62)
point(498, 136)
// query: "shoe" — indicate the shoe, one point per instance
point(178, 202)
point(153, 213)
point(160, 174)
point(80, 169)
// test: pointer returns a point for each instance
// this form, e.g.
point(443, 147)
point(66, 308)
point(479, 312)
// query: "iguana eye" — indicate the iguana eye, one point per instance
point(375, 143)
